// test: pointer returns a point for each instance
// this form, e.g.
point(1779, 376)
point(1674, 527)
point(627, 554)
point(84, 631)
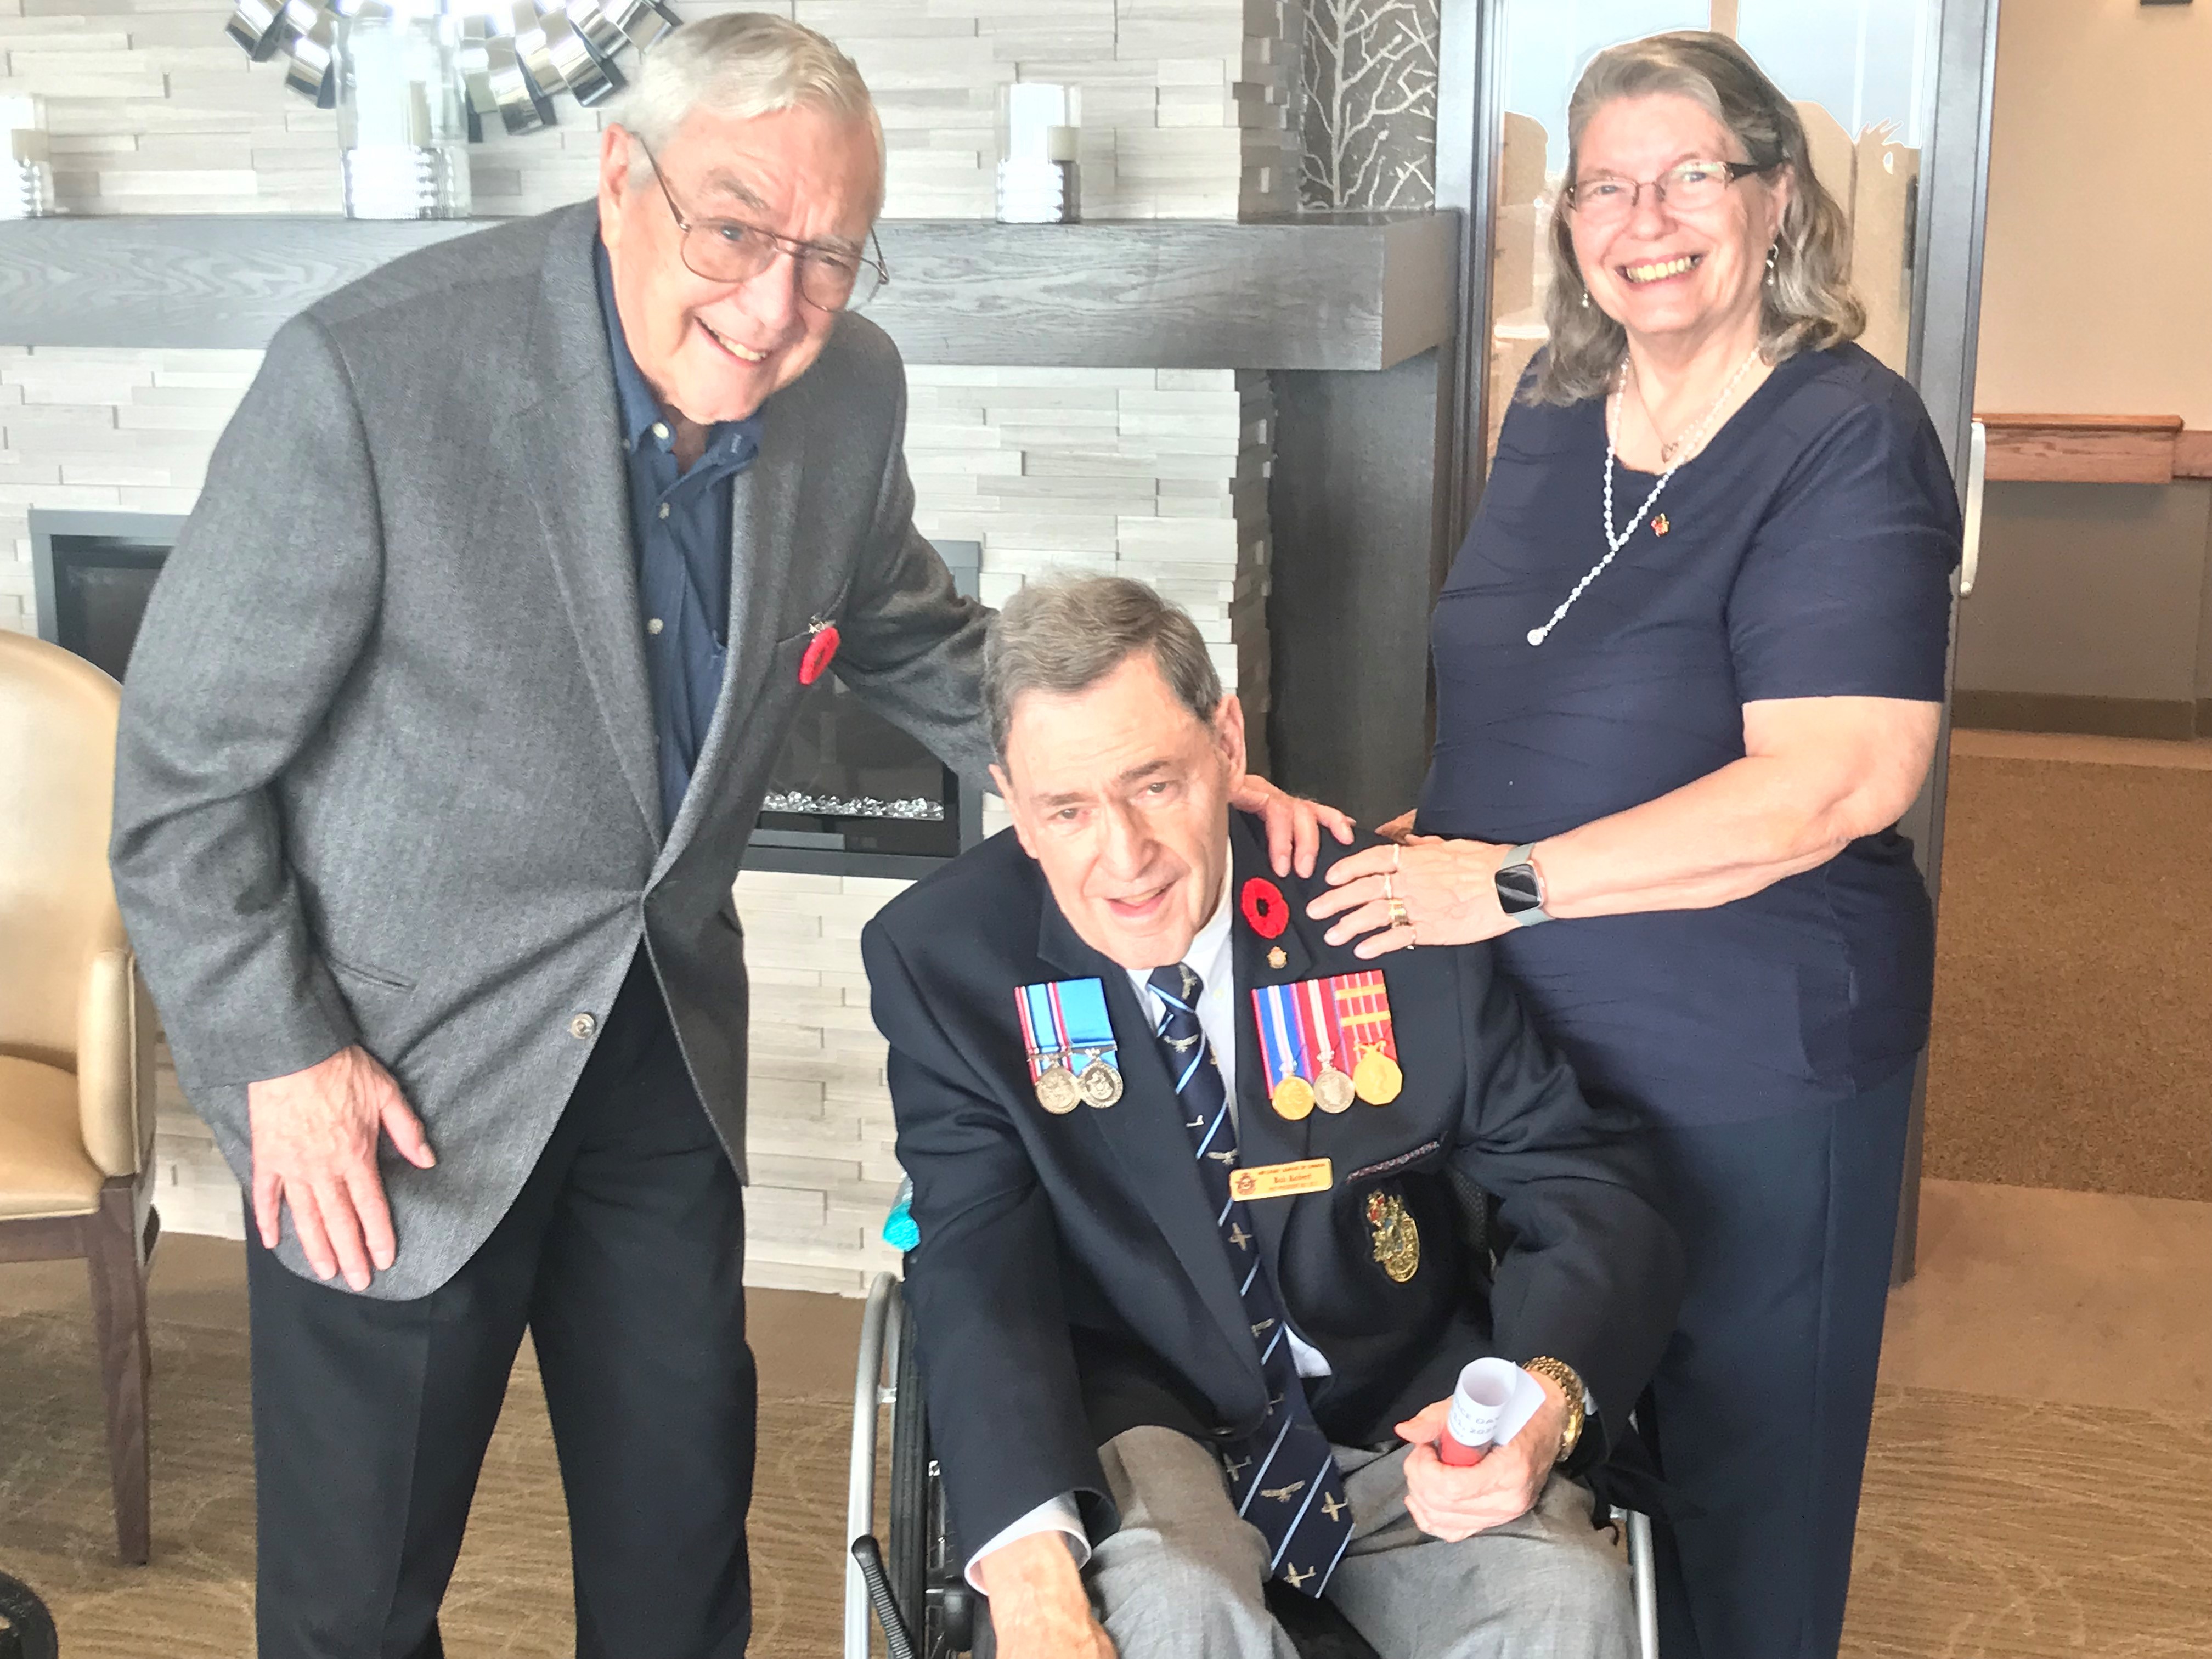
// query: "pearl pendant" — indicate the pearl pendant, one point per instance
point(1536, 636)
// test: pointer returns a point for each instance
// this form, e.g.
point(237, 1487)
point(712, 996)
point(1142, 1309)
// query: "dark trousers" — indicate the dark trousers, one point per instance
point(1760, 1411)
point(622, 1257)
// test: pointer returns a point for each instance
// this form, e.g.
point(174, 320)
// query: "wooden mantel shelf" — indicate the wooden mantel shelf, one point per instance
point(2095, 448)
point(1335, 291)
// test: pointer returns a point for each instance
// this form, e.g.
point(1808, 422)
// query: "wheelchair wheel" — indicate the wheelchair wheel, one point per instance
point(27, 1630)
point(925, 1566)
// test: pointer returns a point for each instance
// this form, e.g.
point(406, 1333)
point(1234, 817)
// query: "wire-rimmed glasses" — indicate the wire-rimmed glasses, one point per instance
point(732, 250)
point(1606, 198)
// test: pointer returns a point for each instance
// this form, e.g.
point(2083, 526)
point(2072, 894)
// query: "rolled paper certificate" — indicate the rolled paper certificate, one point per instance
point(1493, 1402)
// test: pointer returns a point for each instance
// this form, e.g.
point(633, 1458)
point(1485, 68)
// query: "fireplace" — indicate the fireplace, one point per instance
point(91, 572)
point(852, 795)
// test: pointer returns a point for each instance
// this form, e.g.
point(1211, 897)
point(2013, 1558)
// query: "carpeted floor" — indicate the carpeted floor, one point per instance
point(1992, 1530)
point(2073, 1035)
point(510, 1592)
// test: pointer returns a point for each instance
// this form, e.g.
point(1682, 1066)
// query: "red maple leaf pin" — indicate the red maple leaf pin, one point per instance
point(1264, 907)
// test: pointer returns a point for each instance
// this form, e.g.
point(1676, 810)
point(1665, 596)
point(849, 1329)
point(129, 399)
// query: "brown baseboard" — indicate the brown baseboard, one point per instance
point(2100, 717)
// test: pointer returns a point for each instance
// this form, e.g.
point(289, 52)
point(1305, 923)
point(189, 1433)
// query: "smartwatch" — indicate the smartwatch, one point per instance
point(1520, 889)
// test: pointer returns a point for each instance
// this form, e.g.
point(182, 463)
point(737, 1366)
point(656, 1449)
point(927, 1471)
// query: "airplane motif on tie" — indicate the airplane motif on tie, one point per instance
point(1304, 1539)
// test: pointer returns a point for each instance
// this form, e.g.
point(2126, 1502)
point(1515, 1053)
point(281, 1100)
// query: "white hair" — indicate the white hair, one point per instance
point(741, 64)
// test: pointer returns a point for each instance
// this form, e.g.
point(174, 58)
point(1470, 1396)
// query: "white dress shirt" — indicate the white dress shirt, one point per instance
point(1212, 958)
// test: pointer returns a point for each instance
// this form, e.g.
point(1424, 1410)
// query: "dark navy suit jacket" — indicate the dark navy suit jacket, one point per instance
point(1071, 1284)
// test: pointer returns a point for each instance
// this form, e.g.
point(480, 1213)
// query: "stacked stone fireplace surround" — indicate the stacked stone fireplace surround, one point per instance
point(1155, 473)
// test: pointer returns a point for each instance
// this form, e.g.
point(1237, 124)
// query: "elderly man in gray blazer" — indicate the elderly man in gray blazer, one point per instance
point(448, 722)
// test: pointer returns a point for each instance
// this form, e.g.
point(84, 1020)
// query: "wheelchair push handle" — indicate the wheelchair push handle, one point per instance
point(898, 1641)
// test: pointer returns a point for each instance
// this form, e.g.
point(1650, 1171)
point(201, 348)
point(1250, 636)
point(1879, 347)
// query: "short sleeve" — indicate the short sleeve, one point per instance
point(1845, 591)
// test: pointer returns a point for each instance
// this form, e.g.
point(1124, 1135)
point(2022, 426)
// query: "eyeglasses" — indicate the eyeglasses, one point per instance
point(732, 250)
point(1606, 199)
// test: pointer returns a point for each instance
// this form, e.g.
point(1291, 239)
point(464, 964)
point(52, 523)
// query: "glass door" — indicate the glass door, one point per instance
point(1894, 96)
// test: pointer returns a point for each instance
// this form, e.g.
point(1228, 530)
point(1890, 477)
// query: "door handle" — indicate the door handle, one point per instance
point(1977, 469)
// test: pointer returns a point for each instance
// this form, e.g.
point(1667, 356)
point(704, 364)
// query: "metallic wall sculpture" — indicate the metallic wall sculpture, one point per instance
point(1370, 104)
point(516, 56)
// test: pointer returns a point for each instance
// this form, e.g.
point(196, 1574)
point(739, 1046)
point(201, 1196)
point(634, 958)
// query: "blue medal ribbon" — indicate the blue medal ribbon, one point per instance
point(1085, 1025)
point(1282, 1040)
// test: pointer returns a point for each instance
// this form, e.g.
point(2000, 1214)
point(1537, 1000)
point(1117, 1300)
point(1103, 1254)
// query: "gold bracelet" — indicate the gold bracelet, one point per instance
point(1571, 1385)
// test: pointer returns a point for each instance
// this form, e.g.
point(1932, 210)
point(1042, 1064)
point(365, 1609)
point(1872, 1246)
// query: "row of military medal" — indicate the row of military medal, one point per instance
point(1305, 1030)
point(1071, 1044)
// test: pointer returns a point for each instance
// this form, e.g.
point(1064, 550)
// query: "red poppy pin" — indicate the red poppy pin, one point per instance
point(821, 650)
point(1264, 907)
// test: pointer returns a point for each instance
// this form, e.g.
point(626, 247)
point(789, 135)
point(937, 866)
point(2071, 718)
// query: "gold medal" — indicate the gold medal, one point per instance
point(1333, 1090)
point(1294, 1098)
point(1397, 1241)
point(1100, 1083)
point(1279, 958)
point(1377, 1078)
point(1057, 1090)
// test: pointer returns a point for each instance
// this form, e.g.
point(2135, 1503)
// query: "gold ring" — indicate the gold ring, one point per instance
point(1387, 876)
point(1398, 913)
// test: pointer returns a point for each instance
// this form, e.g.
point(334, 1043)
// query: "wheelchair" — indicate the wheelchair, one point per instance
point(27, 1629)
point(918, 1586)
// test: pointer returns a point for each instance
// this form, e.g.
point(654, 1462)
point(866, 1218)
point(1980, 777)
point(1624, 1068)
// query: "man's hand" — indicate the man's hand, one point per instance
point(1452, 1503)
point(1294, 823)
point(1039, 1609)
point(315, 1148)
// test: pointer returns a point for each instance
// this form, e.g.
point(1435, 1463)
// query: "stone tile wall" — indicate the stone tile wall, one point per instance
point(1186, 105)
point(1157, 474)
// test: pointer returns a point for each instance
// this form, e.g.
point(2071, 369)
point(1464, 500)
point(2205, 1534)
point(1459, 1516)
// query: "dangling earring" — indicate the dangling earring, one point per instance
point(1585, 299)
point(1769, 261)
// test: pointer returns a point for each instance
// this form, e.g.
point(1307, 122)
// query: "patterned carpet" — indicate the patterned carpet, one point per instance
point(510, 1593)
point(2072, 1045)
point(1994, 1529)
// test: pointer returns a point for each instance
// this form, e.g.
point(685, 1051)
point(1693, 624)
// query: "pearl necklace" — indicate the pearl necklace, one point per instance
point(1685, 447)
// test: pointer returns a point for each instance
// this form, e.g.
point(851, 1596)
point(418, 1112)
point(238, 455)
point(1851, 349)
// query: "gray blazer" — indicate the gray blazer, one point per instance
point(385, 774)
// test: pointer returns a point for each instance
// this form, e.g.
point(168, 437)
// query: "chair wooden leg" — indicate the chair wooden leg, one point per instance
point(117, 1266)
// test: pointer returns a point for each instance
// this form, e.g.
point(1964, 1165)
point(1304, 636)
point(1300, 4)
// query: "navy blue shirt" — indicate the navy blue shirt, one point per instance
point(680, 530)
point(1807, 553)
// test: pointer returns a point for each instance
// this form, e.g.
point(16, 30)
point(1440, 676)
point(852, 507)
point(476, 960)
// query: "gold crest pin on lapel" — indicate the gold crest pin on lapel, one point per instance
point(1397, 1241)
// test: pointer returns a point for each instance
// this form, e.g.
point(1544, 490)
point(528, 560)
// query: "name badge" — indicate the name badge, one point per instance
point(1281, 1180)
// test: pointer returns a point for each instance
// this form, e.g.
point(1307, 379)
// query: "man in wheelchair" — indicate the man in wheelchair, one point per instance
point(1195, 1279)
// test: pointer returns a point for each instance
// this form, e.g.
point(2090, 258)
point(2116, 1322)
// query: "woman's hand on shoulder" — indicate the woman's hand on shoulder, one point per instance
point(1421, 890)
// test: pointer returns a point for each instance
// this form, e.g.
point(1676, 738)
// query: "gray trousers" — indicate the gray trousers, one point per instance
point(1183, 1578)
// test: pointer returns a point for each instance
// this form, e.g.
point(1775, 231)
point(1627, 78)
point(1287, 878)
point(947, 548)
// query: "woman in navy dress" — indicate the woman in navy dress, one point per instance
point(1684, 741)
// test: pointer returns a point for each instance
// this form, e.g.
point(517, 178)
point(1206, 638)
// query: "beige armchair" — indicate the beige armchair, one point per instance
point(76, 1033)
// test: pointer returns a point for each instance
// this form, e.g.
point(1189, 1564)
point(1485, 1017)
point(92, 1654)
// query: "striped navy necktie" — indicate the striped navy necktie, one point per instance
point(1283, 1478)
